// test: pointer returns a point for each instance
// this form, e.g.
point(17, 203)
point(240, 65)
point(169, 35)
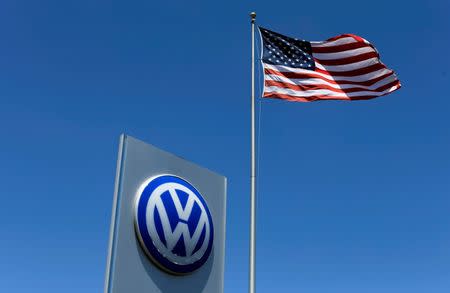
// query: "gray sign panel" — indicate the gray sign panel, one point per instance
point(168, 224)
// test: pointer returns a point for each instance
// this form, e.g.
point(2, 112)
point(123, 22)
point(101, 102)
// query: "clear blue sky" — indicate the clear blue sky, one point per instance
point(353, 196)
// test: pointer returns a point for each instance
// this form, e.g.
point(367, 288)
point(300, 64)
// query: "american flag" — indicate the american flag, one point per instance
point(346, 67)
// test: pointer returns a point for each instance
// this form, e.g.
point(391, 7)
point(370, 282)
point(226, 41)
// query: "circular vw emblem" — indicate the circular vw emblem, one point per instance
point(174, 224)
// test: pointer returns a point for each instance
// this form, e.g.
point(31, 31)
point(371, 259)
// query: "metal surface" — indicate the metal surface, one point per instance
point(112, 232)
point(129, 269)
point(252, 264)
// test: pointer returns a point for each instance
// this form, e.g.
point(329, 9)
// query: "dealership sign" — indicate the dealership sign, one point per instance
point(168, 224)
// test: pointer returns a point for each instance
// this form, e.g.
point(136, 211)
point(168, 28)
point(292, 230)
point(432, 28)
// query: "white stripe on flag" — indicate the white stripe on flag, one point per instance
point(358, 78)
point(342, 41)
point(318, 81)
point(323, 92)
point(350, 66)
point(343, 54)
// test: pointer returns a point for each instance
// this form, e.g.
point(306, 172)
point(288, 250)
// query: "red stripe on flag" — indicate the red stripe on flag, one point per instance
point(341, 37)
point(307, 87)
point(322, 97)
point(355, 72)
point(339, 48)
point(348, 60)
point(298, 75)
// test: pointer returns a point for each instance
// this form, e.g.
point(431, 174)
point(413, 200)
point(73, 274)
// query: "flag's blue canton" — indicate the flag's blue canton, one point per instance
point(282, 50)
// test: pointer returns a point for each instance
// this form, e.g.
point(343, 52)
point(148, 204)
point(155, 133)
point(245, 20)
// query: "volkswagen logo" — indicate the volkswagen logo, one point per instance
point(173, 224)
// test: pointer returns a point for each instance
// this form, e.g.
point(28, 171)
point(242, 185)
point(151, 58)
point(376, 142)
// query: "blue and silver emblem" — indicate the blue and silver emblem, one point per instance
point(173, 224)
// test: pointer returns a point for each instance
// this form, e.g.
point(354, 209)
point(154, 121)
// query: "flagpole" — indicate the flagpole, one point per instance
point(252, 257)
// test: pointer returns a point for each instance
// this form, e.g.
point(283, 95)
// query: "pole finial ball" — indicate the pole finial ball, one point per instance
point(253, 15)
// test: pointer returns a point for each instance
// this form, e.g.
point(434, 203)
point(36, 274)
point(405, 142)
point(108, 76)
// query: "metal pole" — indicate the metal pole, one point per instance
point(252, 275)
